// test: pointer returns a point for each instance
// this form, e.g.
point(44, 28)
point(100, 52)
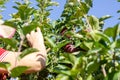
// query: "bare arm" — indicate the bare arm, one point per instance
point(36, 61)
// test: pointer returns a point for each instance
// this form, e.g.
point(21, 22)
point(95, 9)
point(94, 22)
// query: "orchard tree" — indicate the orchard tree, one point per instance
point(78, 47)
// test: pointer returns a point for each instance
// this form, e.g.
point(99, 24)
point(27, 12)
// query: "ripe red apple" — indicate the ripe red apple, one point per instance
point(63, 32)
point(70, 48)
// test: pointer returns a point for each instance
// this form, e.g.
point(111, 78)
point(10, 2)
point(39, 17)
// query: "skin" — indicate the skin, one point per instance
point(36, 61)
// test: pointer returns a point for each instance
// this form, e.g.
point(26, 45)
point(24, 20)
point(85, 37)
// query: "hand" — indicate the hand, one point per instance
point(36, 39)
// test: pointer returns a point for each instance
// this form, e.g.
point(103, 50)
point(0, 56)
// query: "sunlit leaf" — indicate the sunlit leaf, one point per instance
point(113, 32)
point(10, 23)
point(89, 45)
point(89, 2)
point(118, 43)
point(103, 36)
point(70, 58)
point(84, 8)
point(27, 51)
point(17, 71)
point(60, 45)
point(4, 65)
point(50, 42)
point(24, 11)
point(118, 11)
point(90, 77)
point(78, 64)
point(92, 66)
point(53, 4)
point(12, 42)
point(94, 51)
point(116, 76)
point(105, 17)
point(94, 22)
point(29, 28)
point(62, 77)
point(2, 2)
point(62, 71)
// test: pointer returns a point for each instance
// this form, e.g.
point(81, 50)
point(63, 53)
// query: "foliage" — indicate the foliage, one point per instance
point(2, 2)
point(97, 55)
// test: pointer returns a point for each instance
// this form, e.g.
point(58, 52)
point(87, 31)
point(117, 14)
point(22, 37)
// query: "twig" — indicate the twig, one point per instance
point(21, 43)
point(88, 22)
point(48, 50)
point(19, 49)
point(103, 70)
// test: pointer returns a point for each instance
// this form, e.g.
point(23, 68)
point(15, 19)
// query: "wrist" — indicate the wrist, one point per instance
point(41, 48)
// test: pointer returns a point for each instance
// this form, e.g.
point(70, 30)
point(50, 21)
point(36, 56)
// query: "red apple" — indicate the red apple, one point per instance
point(70, 48)
point(63, 32)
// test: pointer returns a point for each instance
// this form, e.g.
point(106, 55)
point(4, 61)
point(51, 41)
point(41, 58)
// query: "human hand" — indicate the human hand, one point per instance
point(36, 39)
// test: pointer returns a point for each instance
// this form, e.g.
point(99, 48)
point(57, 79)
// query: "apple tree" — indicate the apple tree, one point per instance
point(78, 47)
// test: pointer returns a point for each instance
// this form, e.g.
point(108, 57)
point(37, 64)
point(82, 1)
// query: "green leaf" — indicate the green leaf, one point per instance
point(73, 34)
point(118, 11)
point(116, 76)
point(74, 73)
point(4, 65)
point(94, 22)
point(10, 23)
point(60, 45)
point(2, 2)
point(50, 42)
point(63, 67)
point(118, 43)
point(83, 46)
point(104, 17)
point(62, 71)
point(92, 66)
point(27, 51)
point(17, 71)
point(24, 11)
point(84, 8)
point(102, 36)
point(109, 76)
point(113, 31)
point(29, 28)
point(113, 45)
point(118, 0)
point(62, 77)
point(89, 45)
point(94, 51)
point(89, 2)
point(94, 36)
point(12, 42)
point(52, 4)
point(90, 77)
point(109, 32)
point(78, 64)
point(70, 58)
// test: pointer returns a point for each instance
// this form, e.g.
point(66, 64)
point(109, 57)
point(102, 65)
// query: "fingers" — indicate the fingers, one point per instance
point(35, 33)
point(32, 32)
point(27, 36)
point(38, 29)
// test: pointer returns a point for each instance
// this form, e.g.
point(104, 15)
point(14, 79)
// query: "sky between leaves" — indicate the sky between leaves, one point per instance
point(100, 8)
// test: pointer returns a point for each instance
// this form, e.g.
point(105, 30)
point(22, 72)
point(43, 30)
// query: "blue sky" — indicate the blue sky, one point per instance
point(100, 8)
